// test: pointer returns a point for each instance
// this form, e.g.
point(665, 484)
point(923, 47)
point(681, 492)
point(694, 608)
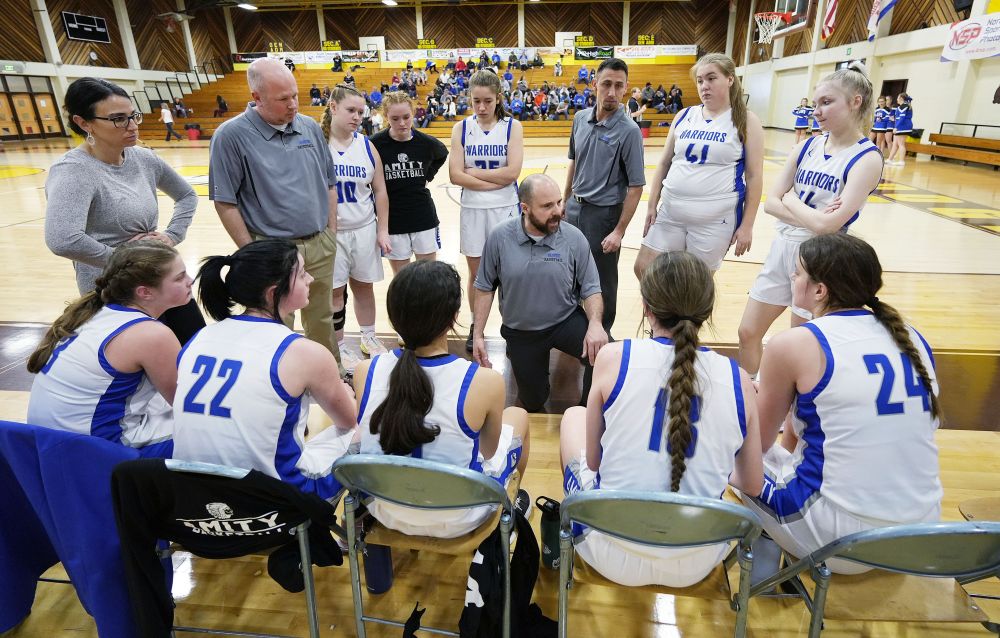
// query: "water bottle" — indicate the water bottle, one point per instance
point(550, 531)
point(378, 568)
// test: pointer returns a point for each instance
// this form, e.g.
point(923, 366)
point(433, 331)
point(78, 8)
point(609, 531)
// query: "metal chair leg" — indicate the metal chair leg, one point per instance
point(302, 532)
point(821, 575)
point(350, 508)
point(745, 558)
point(506, 525)
point(565, 578)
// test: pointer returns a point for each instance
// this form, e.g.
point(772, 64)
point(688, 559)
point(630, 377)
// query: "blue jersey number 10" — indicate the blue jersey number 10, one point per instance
point(347, 192)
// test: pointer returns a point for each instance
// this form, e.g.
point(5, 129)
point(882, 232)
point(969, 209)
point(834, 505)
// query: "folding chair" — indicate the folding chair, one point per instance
point(426, 485)
point(661, 520)
point(965, 552)
point(213, 511)
point(55, 507)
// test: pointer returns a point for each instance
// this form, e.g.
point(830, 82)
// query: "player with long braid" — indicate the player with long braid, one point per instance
point(664, 415)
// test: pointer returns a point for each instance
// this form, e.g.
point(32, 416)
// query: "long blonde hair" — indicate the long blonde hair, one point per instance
point(728, 68)
point(338, 94)
point(138, 263)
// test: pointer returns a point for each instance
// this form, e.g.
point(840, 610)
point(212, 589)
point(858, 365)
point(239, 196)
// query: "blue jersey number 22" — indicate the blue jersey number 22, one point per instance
point(204, 366)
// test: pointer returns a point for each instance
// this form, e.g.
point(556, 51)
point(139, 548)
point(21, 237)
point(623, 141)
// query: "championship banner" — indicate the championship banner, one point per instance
point(402, 55)
point(973, 39)
point(593, 53)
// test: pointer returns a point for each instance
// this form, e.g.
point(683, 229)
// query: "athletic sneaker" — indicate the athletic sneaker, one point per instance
point(349, 358)
point(468, 342)
point(370, 345)
point(522, 503)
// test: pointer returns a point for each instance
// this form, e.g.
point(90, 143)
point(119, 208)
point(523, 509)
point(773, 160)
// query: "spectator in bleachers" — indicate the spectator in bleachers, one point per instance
point(462, 103)
point(495, 59)
point(221, 107)
point(290, 65)
point(676, 104)
point(409, 65)
point(349, 78)
point(517, 106)
point(375, 98)
point(589, 101)
point(582, 76)
point(561, 110)
point(338, 64)
point(507, 75)
point(325, 96)
point(180, 110)
point(315, 96)
point(659, 101)
point(647, 93)
point(530, 110)
point(579, 101)
point(512, 61)
point(395, 78)
point(460, 66)
point(558, 70)
point(522, 61)
point(538, 61)
point(378, 122)
point(484, 60)
point(451, 110)
point(522, 84)
point(421, 117)
point(422, 75)
point(452, 62)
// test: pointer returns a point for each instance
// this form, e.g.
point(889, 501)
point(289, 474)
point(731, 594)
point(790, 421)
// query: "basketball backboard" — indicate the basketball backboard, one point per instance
point(802, 12)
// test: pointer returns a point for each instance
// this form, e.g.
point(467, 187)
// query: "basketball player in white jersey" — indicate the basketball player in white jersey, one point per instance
point(362, 218)
point(106, 367)
point(244, 384)
point(664, 415)
point(863, 391)
point(821, 190)
point(712, 173)
point(424, 402)
point(487, 169)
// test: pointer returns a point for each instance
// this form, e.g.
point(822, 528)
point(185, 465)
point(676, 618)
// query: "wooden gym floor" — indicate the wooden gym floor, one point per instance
point(936, 226)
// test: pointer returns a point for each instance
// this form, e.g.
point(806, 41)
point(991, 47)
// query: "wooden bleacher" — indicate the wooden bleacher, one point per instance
point(959, 147)
point(233, 88)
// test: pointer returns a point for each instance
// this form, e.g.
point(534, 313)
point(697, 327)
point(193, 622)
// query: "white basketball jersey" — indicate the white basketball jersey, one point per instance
point(709, 158)
point(457, 444)
point(355, 171)
point(866, 434)
point(231, 408)
point(79, 390)
point(635, 441)
point(487, 149)
point(820, 178)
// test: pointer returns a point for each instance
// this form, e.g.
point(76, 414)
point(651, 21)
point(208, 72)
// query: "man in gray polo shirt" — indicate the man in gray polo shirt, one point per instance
point(271, 175)
point(605, 176)
point(544, 271)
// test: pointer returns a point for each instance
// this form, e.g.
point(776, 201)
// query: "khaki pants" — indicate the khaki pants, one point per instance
point(318, 253)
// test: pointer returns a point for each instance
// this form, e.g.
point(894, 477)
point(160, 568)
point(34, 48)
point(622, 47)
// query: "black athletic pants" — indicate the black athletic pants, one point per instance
point(596, 223)
point(184, 320)
point(528, 351)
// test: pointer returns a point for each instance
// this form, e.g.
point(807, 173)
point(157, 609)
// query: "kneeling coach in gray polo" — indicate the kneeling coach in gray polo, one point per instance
point(545, 272)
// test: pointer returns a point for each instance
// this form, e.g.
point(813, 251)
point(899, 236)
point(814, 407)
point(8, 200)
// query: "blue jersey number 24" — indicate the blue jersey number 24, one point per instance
point(881, 364)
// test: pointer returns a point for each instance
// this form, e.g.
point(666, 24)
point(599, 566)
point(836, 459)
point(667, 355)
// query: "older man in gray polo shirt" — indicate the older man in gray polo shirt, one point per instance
point(544, 271)
point(271, 175)
point(605, 176)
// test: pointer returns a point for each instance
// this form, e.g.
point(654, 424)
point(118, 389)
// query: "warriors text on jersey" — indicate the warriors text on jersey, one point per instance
point(355, 171)
point(487, 149)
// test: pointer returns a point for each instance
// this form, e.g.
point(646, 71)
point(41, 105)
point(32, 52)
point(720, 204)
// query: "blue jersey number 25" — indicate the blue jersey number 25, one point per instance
point(881, 364)
point(204, 366)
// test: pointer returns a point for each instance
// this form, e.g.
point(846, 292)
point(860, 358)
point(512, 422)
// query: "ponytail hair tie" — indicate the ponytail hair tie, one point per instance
point(873, 302)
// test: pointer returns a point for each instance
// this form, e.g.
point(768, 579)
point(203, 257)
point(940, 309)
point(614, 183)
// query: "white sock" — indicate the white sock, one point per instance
point(368, 329)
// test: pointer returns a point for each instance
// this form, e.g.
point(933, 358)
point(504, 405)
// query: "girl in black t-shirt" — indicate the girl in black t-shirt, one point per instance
point(410, 159)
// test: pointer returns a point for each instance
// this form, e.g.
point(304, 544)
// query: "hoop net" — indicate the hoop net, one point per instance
point(767, 23)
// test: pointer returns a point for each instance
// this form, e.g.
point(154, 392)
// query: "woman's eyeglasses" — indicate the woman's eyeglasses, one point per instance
point(121, 121)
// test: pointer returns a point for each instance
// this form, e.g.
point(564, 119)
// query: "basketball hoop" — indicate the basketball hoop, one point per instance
point(767, 24)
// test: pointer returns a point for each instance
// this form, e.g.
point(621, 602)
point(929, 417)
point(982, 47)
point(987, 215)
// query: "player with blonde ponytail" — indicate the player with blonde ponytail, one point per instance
point(664, 415)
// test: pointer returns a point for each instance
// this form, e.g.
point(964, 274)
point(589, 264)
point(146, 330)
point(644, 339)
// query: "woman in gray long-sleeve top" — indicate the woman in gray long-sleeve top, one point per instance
point(103, 193)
